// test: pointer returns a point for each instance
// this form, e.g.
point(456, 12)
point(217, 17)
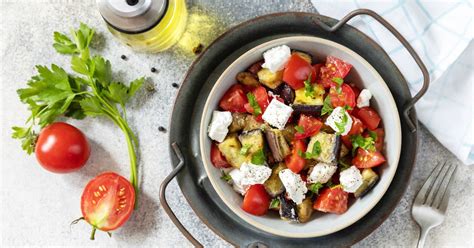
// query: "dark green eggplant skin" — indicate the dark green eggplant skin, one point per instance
point(287, 209)
point(311, 110)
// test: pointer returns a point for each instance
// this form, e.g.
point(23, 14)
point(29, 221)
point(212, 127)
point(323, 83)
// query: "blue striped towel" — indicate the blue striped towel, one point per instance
point(442, 34)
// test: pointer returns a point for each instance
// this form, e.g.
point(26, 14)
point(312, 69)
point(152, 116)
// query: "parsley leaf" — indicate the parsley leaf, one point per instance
point(226, 177)
point(315, 187)
point(245, 149)
point(275, 203)
point(344, 164)
point(299, 129)
point(366, 143)
point(253, 103)
point(341, 126)
point(327, 106)
point(314, 154)
point(308, 87)
point(258, 158)
point(339, 81)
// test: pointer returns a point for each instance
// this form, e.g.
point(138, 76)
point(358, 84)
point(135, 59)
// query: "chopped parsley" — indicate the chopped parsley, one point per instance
point(258, 158)
point(226, 177)
point(366, 143)
point(315, 152)
point(341, 126)
point(253, 104)
point(315, 187)
point(299, 129)
point(245, 149)
point(327, 106)
point(343, 164)
point(275, 203)
point(339, 83)
point(308, 87)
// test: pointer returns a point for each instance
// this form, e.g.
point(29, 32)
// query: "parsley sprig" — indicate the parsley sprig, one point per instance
point(315, 187)
point(258, 158)
point(91, 91)
point(308, 87)
point(341, 126)
point(314, 154)
point(327, 106)
point(254, 104)
point(366, 143)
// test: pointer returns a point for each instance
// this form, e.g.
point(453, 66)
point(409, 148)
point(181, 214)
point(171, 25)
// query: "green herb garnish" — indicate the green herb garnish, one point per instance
point(343, 164)
point(308, 87)
point(245, 149)
point(275, 203)
point(339, 81)
point(226, 177)
point(327, 106)
point(92, 92)
point(341, 126)
point(315, 187)
point(299, 129)
point(258, 158)
point(315, 152)
point(253, 104)
point(366, 143)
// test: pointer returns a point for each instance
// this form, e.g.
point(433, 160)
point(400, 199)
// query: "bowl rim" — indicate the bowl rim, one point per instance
point(248, 219)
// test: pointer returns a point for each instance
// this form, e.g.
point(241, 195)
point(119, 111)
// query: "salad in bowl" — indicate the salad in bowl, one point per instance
point(294, 136)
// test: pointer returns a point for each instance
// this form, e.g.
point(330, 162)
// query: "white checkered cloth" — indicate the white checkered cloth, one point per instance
point(441, 32)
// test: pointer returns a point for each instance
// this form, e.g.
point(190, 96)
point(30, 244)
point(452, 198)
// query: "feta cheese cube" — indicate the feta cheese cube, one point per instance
point(276, 58)
point(350, 179)
point(321, 173)
point(295, 187)
point(254, 174)
point(364, 98)
point(237, 176)
point(277, 114)
point(220, 122)
point(337, 119)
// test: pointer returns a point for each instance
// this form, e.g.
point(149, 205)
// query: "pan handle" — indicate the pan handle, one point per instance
point(164, 202)
point(426, 76)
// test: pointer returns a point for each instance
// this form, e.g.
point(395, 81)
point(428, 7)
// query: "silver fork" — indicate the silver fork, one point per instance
point(430, 204)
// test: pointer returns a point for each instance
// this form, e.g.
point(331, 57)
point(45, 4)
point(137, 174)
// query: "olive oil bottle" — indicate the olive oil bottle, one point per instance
point(145, 25)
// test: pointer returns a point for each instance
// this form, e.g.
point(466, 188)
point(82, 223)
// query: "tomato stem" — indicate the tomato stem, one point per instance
point(93, 233)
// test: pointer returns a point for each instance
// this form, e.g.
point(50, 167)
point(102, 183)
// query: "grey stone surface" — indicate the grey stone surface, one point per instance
point(37, 206)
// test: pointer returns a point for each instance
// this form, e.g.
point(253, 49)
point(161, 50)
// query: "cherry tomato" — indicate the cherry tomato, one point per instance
point(355, 89)
point(334, 67)
point(256, 200)
point(317, 69)
point(357, 128)
point(345, 98)
point(107, 201)
point(380, 137)
point(62, 148)
point(234, 99)
point(310, 126)
point(297, 71)
point(261, 96)
point(367, 159)
point(332, 200)
point(369, 117)
point(217, 159)
point(294, 161)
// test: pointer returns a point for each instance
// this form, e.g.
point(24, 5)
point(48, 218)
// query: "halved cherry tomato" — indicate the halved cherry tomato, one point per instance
point(357, 128)
point(369, 117)
point(334, 67)
point(217, 159)
point(345, 98)
point(355, 89)
point(62, 148)
point(332, 200)
point(297, 70)
point(294, 161)
point(367, 159)
point(317, 69)
point(234, 99)
point(261, 96)
point(256, 200)
point(107, 201)
point(310, 126)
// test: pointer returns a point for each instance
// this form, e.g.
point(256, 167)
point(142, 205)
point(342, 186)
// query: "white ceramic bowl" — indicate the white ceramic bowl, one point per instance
point(363, 75)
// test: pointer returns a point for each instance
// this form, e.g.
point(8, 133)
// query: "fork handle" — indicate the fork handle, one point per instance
point(422, 238)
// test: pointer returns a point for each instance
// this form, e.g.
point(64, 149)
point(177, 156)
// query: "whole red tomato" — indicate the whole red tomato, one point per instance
point(256, 200)
point(62, 148)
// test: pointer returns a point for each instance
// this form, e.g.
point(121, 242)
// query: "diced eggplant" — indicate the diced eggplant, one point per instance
point(370, 178)
point(344, 151)
point(230, 148)
point(304, 56)
point(251, 123)
point(312, 110)
point(304, 210)
point(287, 209)
point(255, 67)
point(289, 132)
point(238, 122)
point(301, 96)
point(286, 93)
point(273, 185)
point(269, 78)
point(330, 147)
point(247, 78)
point(252, 141)
point(277, 143)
